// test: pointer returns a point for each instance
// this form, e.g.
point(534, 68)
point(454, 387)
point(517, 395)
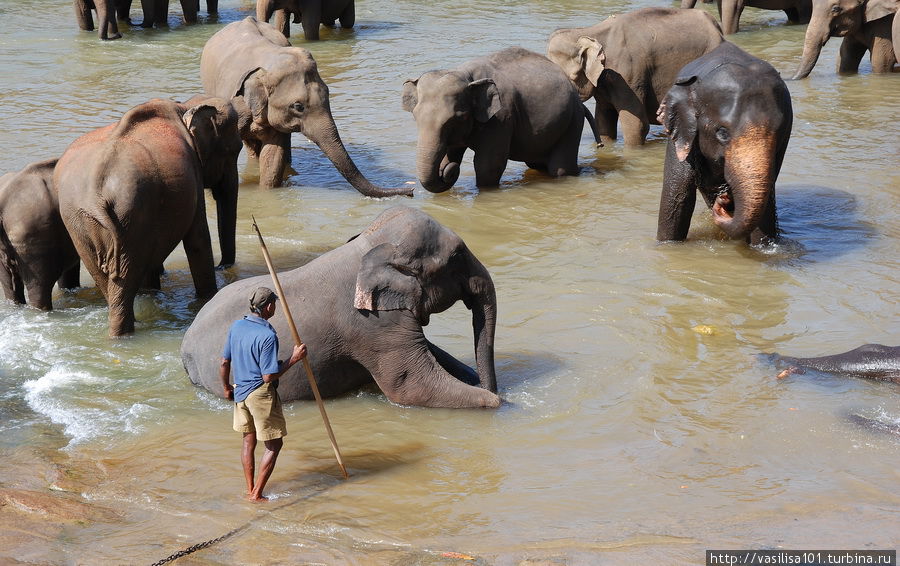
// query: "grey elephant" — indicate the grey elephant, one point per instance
point(35, 248)
point(277, 90)
point(311, 13)
point(108, 14)
point(865, 25)
point(156, 12)
point(361, 308)
point(514, 104)
point(729, 119)
point(629, 61)
point(797, 11)
point(870, 361)
point(131, 191)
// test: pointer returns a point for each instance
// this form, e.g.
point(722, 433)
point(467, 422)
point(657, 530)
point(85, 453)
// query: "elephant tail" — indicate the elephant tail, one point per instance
point(106, 246)
point(593, 124)
point(8, 258)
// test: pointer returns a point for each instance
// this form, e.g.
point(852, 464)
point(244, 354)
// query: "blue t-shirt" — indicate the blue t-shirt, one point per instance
point(252, 347)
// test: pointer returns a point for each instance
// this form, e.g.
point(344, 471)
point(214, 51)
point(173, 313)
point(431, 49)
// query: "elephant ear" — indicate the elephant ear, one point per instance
point(201, 123)
point(485, 99)
point(410, 94)
point(256, 94)
point(679, 116)
point(592, 57)
point(386, 282)
point(876, 9)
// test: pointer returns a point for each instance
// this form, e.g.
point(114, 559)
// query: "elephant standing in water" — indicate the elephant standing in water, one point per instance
point(865, 25)
point(871, 361)
point(311, 13)
point(129, 192)
point(277, 90)
point(35, 248)
point(363, 306)
point(514, 104)
point(728, 118)
point(629, 61)
point(108, 14)
point(797, 11)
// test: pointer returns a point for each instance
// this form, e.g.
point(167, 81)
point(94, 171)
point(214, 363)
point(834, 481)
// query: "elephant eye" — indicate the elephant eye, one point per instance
point(722, 135)
point(836, 10)
point(298, 107)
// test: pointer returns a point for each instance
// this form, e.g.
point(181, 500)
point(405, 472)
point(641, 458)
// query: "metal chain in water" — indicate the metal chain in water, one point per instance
point(200, 546)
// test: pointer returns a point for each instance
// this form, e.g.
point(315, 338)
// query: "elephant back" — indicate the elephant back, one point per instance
point(234, 52)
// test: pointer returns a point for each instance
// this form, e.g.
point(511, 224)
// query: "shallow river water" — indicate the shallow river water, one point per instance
point(641, 424)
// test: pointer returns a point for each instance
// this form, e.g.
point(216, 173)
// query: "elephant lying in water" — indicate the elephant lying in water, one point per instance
point(362, 307)
point(871, 361)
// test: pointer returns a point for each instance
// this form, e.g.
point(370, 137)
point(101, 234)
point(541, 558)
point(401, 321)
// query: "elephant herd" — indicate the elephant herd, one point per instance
point(120, 198)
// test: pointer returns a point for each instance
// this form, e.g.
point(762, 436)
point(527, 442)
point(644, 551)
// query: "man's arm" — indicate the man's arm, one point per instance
point(297, 354)
point(225, 376)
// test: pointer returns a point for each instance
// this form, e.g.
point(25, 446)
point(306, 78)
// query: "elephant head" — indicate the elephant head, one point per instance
point(731, 117)
point(213, 125)
point(447, 107)
point(288, 95)
point(838, 18)
point(582, 58)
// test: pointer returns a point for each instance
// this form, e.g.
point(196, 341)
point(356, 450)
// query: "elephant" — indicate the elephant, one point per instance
point(870, 361)
point(130, 191)
point(156, 12)
point(35, 248)
point(629, 61)
point(311, 13)
point(797, 11)
point(277, 90)
point(513, 104)
point(865, 25)
point(108, 12)
point(362, 307)
point(728, 117)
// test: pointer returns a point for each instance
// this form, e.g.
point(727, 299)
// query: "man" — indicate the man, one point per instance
point(252, 348)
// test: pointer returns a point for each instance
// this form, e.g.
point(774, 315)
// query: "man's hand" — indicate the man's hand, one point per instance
point(229, 391)
point(298, 353)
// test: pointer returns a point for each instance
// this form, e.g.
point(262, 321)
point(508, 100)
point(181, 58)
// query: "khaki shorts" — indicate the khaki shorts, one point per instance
point(261, 412)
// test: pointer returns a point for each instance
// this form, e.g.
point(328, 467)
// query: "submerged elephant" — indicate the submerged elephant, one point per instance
point(311, 13)
point(35, 248)
point(870, 361)
point(514, 104)
point(129, 192)
point(728, 118)
point(362, 307)
point(797, 11)
point(629, 61)
point(865, 25)
point(277, 90)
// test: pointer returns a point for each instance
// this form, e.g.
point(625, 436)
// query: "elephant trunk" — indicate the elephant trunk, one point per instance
point(264, 10)
point(484, 322)
point(817, 34)
point(750, 171)
point(323, 132)
point(433, 166)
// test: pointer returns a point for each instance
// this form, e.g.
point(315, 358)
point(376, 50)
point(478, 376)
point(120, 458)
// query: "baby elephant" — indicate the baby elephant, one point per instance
point(35, 248)
point(514, 104)
point(871, 361)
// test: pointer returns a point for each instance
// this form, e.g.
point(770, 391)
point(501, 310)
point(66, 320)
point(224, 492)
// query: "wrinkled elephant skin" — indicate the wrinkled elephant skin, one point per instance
point(361, 309)
point(728, 118)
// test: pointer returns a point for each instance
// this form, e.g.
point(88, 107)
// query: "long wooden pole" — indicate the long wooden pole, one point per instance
point(309, 372)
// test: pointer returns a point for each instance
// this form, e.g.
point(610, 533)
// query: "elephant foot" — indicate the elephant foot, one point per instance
point(224, 266)
point(112, 37)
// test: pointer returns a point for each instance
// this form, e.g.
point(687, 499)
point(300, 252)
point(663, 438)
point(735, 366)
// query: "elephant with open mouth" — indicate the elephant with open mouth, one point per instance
point(728, 118)
point(361, 309)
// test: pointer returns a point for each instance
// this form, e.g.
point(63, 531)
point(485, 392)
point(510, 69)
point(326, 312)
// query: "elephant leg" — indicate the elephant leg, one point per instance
point(883, 56)
point(120, 294)
point(676, 204)
point(491, 156)
point(147, 7)
point(348, 16)
point(312, 18)
point(70, 278)
point(253, 147)
point(563, 158)
point(161, 13)
point(83, 15)
point(212, 6)
point(189, 10)
point(273, 159)
point(453, 366)
point(198, 249)
point(153, 278)
point(282, 22)
point(107, 24)
point(40, 293)
point(607, 119)
point(635, 126)
point(850, 55)
point(13, 289)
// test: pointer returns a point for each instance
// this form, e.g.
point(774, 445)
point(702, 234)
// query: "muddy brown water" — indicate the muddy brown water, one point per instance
point(641, 425)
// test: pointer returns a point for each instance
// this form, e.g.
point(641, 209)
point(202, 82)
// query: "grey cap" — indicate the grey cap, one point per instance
point(261, 297)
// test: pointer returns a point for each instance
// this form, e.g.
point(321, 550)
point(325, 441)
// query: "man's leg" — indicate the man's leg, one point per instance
point(266, 465)
point(248, 459)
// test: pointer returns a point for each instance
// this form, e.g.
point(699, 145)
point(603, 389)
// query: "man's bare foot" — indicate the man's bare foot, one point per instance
point(790, 371)
point(256, 498)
